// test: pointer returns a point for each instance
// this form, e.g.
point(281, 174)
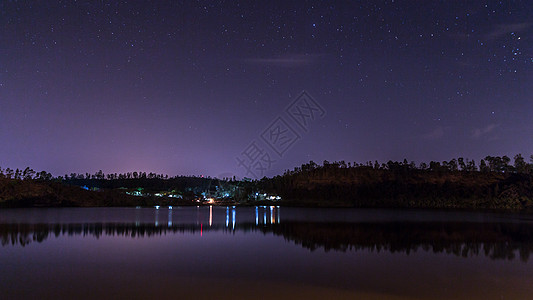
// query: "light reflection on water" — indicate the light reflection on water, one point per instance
point(316, 253)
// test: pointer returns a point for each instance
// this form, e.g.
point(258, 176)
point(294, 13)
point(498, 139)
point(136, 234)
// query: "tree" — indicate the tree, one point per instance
point(452, 165)
point(461, 163)
point(393, 165)
point(520, 164)
point(446, 166)
point(99, 175)
point(342, 164)
point(495, 163)
point(483, 166)
point(28, 174)
point(43, 175)
point(470, 166)
point(434, 166)
point(9, 173)
point(505, 167)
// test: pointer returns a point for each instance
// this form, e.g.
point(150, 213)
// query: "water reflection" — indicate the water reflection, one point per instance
point(272, 212)
point(206, 251)
point(497, 240)
point(210, 216)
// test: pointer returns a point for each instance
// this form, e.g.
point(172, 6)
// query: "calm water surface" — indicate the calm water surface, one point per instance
point(263, 252)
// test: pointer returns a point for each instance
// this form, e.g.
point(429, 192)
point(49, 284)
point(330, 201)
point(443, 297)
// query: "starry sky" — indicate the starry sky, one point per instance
point(215, 87)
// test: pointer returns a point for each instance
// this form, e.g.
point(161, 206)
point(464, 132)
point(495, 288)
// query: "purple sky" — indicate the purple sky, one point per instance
point(186, 87)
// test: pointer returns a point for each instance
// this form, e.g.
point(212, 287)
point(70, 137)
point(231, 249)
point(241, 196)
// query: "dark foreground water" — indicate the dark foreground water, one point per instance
point(263, 252)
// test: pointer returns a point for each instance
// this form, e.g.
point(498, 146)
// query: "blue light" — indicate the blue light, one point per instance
point(227, 216)
point(233, 217)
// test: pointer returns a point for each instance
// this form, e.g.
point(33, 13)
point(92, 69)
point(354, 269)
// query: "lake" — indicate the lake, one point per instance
point(264, 252)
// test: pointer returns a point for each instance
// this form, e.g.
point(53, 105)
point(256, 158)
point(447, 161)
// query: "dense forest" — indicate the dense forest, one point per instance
point(25, 188)
point(39, 193)
point(495, 183)
point(459, 183)
point(149, 182)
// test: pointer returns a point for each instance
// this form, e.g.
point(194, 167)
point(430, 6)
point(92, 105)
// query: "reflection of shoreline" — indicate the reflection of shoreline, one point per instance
point(494, 240)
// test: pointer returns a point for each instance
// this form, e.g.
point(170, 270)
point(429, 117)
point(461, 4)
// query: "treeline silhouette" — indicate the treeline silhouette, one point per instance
point(496, 182)
point(51, 193)
point(28, 188)
point(495, 164)
point(494, 240)
point(149, 181)
point(459, 183)
point(188, 187)
point(185, 184)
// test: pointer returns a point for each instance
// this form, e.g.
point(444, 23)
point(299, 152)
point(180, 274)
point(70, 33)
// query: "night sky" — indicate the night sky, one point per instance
point(213, 87)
